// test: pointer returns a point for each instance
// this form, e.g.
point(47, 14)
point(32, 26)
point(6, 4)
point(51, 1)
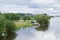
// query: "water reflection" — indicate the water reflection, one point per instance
point(43, 27)
point(32, 34)
point(9, 36)
point(53, 32)
point(55, 27)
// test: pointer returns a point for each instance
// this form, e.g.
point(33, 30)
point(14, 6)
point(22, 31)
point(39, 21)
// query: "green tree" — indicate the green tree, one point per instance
point(12, 16)
point(2, 23)
point(27, 18)
point(6, 26)
point(10, 27)
point(43, 20)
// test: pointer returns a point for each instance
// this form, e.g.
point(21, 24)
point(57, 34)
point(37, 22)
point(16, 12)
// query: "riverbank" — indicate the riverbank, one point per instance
point(22, 24)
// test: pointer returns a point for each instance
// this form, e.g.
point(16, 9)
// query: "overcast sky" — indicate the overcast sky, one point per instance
point(30, 6)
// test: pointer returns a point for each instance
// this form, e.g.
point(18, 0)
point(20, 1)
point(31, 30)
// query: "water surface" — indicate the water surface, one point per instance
point(53, 32)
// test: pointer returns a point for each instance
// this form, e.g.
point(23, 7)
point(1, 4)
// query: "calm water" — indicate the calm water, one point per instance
point(53, 32)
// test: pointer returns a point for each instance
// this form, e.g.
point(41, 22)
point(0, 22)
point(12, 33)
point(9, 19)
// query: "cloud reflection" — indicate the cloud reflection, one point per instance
point(53, 32)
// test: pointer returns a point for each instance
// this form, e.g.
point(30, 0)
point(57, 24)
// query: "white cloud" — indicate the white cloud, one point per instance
point(52, 10)
point(44, 1)
point(13, 8)
point(30, 6)
point(56, 5)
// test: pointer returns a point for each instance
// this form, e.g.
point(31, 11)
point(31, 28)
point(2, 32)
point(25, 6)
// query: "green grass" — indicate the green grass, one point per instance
point(21, 18)
point(22, 24)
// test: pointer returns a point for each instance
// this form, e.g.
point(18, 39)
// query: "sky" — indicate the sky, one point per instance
point(30, 6)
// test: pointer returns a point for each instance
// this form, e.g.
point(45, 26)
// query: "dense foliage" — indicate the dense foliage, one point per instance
point(6, 26)
point(10, 27)
point(2, 23)
point(27, 17)
point(43, 20)
point(12, 16)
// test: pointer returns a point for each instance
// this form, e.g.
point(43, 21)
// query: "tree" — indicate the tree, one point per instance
point(10, 27)
point(6, 26)
point(0, 12)
point(12, 16)
point(2, 23)
point(43, 20)
point(26, 18)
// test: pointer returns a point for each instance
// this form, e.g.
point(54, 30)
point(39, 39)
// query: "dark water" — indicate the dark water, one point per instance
point(53, 32)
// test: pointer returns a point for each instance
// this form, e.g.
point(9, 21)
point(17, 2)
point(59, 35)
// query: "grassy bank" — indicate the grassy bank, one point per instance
point(22, 24)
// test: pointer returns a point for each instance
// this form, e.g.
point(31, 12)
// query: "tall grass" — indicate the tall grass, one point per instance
point(22, 24)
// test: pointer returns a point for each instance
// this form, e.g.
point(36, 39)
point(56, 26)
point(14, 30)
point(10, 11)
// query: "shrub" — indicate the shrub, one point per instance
point(2, 23)
point(10, 27)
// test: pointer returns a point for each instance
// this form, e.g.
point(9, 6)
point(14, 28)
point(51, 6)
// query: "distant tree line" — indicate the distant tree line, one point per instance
point(12, 16)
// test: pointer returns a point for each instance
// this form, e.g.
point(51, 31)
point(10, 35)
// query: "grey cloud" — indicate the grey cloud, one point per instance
point(57, 0)
point(15, 1)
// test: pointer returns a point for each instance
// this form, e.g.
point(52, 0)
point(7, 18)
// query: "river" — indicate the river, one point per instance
point(53, 32)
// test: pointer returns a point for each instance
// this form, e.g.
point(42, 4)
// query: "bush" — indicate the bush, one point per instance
point(10, 27)
point(6, 26)
point(2, 23)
